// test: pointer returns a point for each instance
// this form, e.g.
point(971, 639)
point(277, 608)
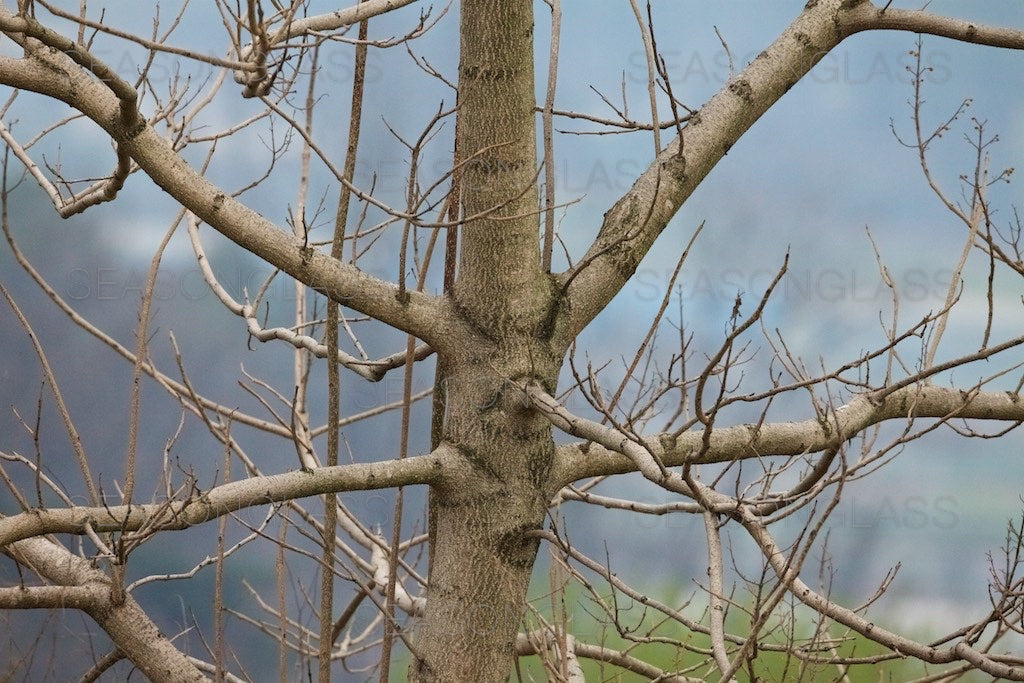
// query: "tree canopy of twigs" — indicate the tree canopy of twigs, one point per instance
point(409, 421)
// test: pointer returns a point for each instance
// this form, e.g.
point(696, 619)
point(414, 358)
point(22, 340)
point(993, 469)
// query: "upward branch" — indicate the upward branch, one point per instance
point(54, 73)
point(635, 220)
point(338, 18)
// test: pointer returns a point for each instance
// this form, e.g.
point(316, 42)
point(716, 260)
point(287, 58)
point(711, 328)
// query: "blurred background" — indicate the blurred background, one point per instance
point(815, 177)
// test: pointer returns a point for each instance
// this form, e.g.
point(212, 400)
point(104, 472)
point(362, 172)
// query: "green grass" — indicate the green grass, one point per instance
point(769, 666)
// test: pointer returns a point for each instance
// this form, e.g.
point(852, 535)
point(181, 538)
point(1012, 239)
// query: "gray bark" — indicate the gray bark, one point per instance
point(481, 563)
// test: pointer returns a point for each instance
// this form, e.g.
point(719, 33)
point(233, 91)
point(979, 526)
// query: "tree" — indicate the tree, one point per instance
point(500, 329)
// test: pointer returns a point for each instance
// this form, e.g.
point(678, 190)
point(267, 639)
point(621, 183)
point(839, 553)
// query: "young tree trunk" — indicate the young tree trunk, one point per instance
point(481, 563)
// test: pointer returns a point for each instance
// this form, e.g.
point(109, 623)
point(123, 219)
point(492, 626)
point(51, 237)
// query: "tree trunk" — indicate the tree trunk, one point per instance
point(481, 563)
point(501, 288)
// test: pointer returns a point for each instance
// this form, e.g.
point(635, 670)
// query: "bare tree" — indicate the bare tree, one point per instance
point(469, 273)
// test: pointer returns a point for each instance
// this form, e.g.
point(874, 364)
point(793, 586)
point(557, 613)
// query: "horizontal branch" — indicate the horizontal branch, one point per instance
point(613, 439)
point(53, 597)
point(792, 438)
point(867, 17)
point(224, 499)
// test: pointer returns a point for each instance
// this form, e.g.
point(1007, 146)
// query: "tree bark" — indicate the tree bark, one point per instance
point(481, 563)
point(494, 493)
point(123, 619)
point(501, 287)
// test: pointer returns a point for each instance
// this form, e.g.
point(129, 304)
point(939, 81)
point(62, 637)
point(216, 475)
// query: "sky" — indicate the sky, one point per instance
point(821, 175)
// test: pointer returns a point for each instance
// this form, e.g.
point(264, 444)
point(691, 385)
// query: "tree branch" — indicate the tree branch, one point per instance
point(867, 17)
point(338, 19)
point(962, 650)
point(57, 75)
point(227, 498)
point(49, 597)
point(132, 631)
point(635, 221)
point(535, 642)
point(792, 438)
